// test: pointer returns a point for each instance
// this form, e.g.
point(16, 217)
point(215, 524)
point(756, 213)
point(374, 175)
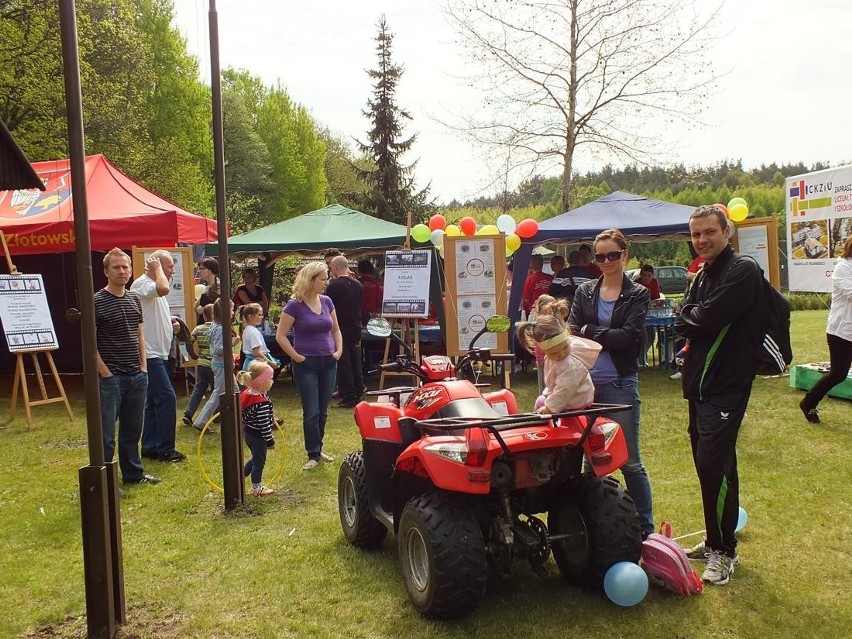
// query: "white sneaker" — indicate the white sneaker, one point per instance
point(676, 375)
point(700, 552)
point(261, 491)
point(719, 569)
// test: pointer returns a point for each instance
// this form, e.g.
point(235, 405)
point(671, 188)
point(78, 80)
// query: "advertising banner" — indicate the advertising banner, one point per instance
point(25, 314)
point(819, 219)
point(407, 275)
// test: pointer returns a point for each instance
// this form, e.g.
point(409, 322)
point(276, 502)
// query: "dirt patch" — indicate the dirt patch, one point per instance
point(143, 622)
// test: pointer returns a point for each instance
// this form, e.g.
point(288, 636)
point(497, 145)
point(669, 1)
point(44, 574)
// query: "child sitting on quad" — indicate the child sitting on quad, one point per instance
point(567, 362)
point(545, 305)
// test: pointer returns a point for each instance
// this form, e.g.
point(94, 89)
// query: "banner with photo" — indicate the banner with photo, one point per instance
point(819, 219)
point(26, 314)
point(406, 284)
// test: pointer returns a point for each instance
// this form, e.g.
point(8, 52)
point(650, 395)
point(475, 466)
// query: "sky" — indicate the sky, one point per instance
point(784, 94)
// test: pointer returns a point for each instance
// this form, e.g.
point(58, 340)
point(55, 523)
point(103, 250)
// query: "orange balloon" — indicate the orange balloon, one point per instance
point(527, 228)
point(468, 225)
point(723, 208)
point(437, 221)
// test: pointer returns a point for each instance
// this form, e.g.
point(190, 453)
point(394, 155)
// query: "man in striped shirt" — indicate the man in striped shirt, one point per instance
point(122, 367)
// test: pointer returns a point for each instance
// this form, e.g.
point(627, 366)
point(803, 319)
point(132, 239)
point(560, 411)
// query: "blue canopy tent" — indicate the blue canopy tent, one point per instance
point(641, 219)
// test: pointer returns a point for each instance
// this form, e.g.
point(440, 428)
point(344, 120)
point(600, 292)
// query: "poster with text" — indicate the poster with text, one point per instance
point(406, 285)
point(473, 311)
point(819, 219)
point(25, 314)
point(475, 266)
point(181, 297)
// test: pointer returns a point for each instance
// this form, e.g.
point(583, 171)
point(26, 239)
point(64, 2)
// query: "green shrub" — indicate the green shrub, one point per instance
point(808, 301)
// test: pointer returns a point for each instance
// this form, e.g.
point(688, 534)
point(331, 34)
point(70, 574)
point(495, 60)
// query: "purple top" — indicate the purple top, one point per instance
point(311, 331)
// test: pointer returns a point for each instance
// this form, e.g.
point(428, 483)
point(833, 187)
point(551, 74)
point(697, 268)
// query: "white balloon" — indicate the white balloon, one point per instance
point(733, 229)
point(506, 224)
point(437, 237)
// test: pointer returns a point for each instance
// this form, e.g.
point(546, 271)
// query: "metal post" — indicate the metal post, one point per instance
point(232, 450)
point(101, 524)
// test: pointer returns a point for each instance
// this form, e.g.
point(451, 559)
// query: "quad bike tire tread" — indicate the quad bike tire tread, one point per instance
point(613, 533)
point(456, 555)
point(366, 531)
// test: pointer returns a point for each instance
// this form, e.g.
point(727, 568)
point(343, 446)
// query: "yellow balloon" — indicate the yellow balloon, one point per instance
point(738, 212)
point(513, 242)
point(452, 230)
point(509, 252)
point(489, 229)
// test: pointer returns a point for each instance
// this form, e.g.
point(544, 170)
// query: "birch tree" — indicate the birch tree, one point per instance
point(601, 77)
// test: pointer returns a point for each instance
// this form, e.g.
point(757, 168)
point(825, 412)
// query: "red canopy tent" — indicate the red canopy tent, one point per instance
point(121, 213)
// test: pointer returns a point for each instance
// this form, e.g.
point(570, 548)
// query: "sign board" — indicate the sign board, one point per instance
point(475, 272)
point(819, 219)
point(26, 314)
point(181, 297)
point(406, 284)
point(758, 238)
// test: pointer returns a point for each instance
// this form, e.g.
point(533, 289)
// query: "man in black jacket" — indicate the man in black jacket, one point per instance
point(347, 295)
point(720, 319)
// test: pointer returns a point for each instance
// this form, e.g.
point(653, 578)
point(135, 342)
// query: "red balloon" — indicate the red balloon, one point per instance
point(527, 228)
point(724, 208)
point(468, 225)
point(437, 221)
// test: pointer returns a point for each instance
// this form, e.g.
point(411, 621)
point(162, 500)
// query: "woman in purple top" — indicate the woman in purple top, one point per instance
point(317, 345)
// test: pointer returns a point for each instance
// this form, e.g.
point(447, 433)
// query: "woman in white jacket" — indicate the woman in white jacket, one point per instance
point(838, 334)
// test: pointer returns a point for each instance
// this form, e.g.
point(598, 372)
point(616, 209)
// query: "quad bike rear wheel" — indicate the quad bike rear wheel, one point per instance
point(359, 526)
point(595, 525)
point(442, 556)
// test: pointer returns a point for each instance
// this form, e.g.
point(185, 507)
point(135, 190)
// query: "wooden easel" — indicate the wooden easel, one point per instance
point(409, 332)
point(20, 369)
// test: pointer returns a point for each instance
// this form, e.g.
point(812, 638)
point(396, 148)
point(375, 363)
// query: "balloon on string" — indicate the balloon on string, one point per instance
point(452, 230)
point(742, 519)
point(738, 212)
point(437, 237)
point(506, 223)
point(513, 242)
point(736, 200)
point(468, 226)
point(509, 252)
point(420, 233)
point(437, 221)
point(723, 208)
point(488, 229)
point(625, 583)
point(527, 228)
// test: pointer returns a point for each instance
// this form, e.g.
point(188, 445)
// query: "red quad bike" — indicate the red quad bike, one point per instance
point(459, 477)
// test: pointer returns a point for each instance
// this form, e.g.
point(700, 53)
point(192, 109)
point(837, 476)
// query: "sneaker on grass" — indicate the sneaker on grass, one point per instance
point(719, 568)
point(261, 491)
point(701, 552)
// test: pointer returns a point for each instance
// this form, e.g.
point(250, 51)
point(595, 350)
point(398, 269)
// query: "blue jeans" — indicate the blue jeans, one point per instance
point(257, 445)
point(158, 434)
point(203, 382)
point(123, 400)
point(211, 406)
point(626, 391)
point(315, 378)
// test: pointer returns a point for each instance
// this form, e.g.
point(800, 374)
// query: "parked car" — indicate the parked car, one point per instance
point(672, 279)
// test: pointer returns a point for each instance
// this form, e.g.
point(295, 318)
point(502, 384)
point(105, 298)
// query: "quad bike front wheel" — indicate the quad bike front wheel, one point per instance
point(359, 526)
point(442, 556)
point(593, 524)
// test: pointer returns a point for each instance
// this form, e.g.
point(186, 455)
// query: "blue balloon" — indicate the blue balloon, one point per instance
point(625, 583)
point(742, 519)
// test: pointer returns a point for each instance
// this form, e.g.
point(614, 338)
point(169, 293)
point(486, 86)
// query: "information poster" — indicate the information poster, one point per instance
point(26, 314)
point(406, 284)
point(819, 219)
point(475, 275)
point(758, 238)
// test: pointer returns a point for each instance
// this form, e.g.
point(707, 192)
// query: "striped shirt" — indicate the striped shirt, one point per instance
point(201, 337)
point(257, 413)
point(117, 320)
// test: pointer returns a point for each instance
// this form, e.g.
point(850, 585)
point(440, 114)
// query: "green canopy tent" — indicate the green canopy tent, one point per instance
point(335, 226)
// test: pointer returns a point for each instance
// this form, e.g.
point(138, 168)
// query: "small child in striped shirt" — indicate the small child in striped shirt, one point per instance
point(258, 421)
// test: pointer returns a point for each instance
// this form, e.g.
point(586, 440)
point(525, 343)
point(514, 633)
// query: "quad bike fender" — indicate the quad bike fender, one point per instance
point(502, 401)
point(378, 421)
point(606, 447)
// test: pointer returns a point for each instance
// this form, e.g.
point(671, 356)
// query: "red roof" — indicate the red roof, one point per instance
point(121, 213)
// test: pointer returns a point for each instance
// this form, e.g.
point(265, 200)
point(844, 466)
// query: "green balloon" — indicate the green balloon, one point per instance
point(420, 233)
point(735, 201)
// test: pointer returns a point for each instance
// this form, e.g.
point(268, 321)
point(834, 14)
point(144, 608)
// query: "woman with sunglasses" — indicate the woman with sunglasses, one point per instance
point(611, 311)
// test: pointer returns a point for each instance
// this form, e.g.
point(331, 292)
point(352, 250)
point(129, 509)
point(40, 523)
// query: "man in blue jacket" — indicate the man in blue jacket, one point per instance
point(721, 320)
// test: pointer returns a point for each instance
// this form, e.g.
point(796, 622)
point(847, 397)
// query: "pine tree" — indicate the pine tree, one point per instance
point(391, 193)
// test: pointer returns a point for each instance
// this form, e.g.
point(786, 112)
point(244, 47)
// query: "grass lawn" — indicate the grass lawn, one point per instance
point(279, 567)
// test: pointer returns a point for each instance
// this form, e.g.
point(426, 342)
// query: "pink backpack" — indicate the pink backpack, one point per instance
point(666, 563)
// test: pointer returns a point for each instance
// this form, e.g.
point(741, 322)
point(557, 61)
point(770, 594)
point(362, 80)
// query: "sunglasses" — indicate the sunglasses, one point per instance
point(612, 256)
